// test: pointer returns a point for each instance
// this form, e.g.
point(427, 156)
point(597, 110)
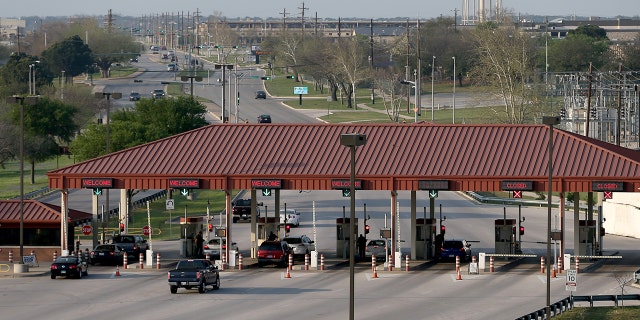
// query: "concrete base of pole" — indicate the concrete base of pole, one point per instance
point(20, 268)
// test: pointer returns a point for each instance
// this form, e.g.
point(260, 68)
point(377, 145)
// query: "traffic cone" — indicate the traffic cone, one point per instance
point(117, 271)
point(459, 277)
point(288, 274)
point(375, 273)
point(553, 272)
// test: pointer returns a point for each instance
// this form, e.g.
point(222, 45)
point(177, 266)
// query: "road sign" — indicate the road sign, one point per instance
point(608, 195)
point(86, 230)
point(146, 230)
point(266, 192)
point(517, 194)
point(184, 192)
point(170, 204)
point(572, 280)
point(433, 194)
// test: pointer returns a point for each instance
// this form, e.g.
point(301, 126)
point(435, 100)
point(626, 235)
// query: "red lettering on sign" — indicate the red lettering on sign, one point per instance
point(266, 184)
point(184, 183)
point(345, 184)
point(97, 182)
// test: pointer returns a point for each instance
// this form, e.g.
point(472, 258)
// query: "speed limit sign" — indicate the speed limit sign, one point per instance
point(572, 280)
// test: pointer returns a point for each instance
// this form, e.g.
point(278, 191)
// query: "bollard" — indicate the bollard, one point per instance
point(239, 261)
point(491, 264)
point(124, 261)
point(86, 254)
point(373, 266)
point(577, 265)
point(457, 263)
point(541, 264)
point(158, 261)
point(473, 259)
point(11, 256)
point(406, 263)
point(141, 260)
point(322, 262)
point(224, 259)
point(207, 256)
point(559, 264)
point(306, 261)
point(55, 255)
point(390, 263)
point(290, 267)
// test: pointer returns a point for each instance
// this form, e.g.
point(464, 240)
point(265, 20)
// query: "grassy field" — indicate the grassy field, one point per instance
point(601, 313)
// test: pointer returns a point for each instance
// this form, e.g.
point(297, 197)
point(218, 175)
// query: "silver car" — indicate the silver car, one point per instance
point(377, 247)
point(212, 247)
point(301, 244)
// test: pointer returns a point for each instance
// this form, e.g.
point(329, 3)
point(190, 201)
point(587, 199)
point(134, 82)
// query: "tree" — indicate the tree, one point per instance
point(15, 74)
point(71, 55)
point(586, 44)
point(150, 120)
point(505, 64)
point(112, 47)
point(350, 66)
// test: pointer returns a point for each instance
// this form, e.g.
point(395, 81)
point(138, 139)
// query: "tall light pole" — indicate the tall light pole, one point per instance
point(433, 67)
point(550, 121)
point(223, 66)
point(454, 89)
point(31, 101)
point(352, 140)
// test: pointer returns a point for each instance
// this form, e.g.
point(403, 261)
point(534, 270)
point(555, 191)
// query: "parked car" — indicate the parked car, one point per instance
point(455, 248)
point(301, 245)
point(376, 247)
point(70, 267)
point(291, 217)
point(107, 254)
point(134, 96)
point(212, 247)
point(274, 252)
point(261, 94)
point(157, 94)
point(264, 118)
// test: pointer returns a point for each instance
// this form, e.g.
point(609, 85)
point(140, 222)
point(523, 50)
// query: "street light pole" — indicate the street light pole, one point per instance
point(454, 89)
point(550, 121)
point(352, 140)
point(433, 67)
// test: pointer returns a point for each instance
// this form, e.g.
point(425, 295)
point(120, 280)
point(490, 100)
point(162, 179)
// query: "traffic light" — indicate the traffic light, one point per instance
point(291, 77)
point(563, 113)
point(623, 113)
point(265, 78)
point(121, 227)
point(594, 113)
point(521, 230)
point(367, 228)
point(443, 229)
point(287, 228)
point(210, 226)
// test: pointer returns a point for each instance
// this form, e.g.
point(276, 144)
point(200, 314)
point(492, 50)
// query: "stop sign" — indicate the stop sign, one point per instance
point(146, 230)
point(86, 230)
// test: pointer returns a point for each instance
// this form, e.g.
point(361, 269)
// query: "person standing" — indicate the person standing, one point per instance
point(362, 244)
point(199, 245)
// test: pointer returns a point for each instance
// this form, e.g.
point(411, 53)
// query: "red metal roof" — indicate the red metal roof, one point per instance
point(36, 212)
point(395, 157)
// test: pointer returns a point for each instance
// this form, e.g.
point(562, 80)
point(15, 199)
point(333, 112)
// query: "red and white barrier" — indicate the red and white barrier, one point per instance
point(390, 263)
point(373, 266)
point(322, 262)
point(55, 255)
point(457, 263)
point(406, 263)
point(577, 265)
point(306, 261)
point(10, 256)
point(141, 260)
point(207, 256)
point(224, 260)
point(124, 261)
point(239, 261)
point(158, 261)
point(559, 264)
point(290, 267)
point(541, 264)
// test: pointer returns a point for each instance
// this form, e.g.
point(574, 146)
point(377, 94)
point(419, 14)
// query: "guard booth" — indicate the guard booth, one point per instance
point(505, 236)
point(266, 226)
point(342, 236)
point(189, 228)
point(425, 232)
point(586, 237)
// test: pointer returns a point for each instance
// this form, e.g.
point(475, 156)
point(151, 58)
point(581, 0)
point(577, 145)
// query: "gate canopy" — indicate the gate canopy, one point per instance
point(395, 157)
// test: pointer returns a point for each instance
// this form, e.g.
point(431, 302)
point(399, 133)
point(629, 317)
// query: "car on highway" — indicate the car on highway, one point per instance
point(376, 247)
point(107, 254)
point(261, 94)
point(157, 94)
point(70, 267)
point(290, 217)
point(274, 252)
point(455, 248)
point(134, 96)
point(301, 245)
point(172, 67)
point(213, 246)
point(264, 118)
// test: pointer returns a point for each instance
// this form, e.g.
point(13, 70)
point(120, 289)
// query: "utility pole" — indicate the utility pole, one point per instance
point(284, 19)
point(373, 99)
point(302, 18)
point(589, 98)
point(418, 90)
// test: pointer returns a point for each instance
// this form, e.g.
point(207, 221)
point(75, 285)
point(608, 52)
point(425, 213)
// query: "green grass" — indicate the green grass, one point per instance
point(601, 313)
point(10, 176)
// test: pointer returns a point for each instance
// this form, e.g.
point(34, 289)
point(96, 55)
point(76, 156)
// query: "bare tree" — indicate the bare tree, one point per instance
point(350, 62)
point(387, 84)
point(623, 279)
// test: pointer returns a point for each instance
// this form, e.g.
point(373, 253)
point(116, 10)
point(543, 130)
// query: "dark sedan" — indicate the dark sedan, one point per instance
point(69, 266)
point(107, 254)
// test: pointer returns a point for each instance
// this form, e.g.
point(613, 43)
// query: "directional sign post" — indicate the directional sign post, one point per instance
point(572, 280)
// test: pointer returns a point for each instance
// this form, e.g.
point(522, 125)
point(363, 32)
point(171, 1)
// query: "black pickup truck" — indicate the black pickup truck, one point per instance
point(242, 210)
point(194, 273)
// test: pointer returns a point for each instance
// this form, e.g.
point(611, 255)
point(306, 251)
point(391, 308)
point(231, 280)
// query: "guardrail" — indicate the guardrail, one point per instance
point(567, 304)
point(505, 201)
point(35, 193)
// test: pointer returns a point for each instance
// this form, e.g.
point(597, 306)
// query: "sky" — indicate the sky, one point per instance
point(370, 9)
